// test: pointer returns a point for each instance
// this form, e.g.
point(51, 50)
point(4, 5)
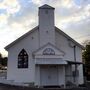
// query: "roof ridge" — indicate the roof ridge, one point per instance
point(32, 30)
point(69, 38)
point(21, 37)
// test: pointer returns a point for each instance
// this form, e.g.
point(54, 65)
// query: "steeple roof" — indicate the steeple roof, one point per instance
point(45, 6)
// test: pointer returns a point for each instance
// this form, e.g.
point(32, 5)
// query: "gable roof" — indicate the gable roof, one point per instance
point(69, 38)
point(48, 44)
point(22, 37)
point(37, 28)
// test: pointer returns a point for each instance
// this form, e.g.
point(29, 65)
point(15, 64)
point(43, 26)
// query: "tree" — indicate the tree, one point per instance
point(3, 61)
point(0, 59)
point(86, 59)
point(86, 42)
point(86, 55)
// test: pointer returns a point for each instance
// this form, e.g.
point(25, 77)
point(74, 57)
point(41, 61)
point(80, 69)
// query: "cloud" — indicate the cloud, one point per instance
point(3, 20)
point(38, 2)
point(55, 3)
point(72, 15)
point(19, 16)
point(12, 6)
point(68, 11)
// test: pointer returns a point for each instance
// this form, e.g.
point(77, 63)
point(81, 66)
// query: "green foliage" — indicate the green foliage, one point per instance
point(86, 59)
point(3, 61)
point(86, 55)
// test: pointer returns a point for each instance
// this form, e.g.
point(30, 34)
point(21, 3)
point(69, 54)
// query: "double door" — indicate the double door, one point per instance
point(48, 75)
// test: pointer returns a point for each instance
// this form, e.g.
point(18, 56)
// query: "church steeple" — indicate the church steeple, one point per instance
point(46, 24)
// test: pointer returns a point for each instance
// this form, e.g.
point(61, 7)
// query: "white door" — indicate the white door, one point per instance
point(49, 75)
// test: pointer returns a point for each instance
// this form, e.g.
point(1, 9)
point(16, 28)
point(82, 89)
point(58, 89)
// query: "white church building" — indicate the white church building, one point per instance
point(45, 56)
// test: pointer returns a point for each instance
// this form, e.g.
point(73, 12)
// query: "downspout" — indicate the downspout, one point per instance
point(75, 61)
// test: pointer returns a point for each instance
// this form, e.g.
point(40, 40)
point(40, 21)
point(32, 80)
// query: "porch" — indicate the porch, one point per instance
point(55, 72)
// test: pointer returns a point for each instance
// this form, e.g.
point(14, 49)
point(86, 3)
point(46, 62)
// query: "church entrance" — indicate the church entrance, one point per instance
point(48, 75)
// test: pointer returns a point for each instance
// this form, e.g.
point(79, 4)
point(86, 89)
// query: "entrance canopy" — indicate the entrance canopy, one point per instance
point(58, 61)
point(74, 62)
point(50, 61)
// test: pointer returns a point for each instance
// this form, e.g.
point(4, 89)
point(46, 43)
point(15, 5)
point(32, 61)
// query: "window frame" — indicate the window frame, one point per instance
point(48, 51)
point(22, 59)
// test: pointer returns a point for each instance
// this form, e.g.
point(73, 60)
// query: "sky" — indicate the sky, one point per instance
point(19, 16)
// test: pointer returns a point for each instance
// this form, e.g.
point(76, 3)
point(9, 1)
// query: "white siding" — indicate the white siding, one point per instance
point(23, 75)
point(46, 26)
point(37, 75)
point(61, 75)
point(63, 44)
point(80, 67)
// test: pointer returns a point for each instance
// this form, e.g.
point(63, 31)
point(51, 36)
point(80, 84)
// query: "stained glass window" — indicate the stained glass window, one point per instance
point(23, 59)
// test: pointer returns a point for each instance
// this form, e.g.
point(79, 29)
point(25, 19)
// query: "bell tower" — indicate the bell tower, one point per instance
point(46, 25)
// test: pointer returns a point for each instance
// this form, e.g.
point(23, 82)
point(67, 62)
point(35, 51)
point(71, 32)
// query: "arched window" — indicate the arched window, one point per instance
point(48, 51)
point(23, 59)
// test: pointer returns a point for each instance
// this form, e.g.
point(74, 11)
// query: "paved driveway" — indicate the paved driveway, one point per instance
point(10, 87)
